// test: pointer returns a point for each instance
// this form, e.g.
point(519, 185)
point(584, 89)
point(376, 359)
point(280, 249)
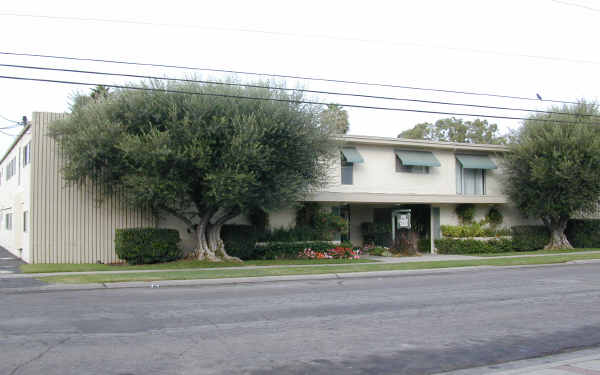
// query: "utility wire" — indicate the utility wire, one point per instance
point(275, 99)
point(567, 3)
point(283, 89)
point(362, 83)
point(317, 36)
point(9, 120)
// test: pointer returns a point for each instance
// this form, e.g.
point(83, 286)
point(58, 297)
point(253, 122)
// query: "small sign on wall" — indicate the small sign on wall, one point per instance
point(404, 220)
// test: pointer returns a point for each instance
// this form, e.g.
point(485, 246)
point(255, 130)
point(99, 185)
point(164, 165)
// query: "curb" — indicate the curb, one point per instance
point(273, 279)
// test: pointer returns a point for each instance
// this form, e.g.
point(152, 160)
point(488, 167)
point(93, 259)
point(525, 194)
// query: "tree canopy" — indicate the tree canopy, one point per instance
point(335, 117)
point(203, 157)
point(553, 169)
point(456, 130)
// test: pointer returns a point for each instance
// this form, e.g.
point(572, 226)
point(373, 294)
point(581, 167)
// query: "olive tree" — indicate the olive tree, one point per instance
point(197, 152)
point(553, 167)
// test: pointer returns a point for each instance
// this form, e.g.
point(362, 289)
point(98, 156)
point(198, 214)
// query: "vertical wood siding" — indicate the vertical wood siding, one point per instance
point(68, 224)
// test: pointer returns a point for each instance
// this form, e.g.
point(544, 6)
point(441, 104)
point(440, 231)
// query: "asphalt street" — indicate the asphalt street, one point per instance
point(417, 324)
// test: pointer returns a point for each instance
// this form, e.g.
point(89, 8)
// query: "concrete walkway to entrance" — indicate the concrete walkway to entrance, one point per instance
point(9, 266)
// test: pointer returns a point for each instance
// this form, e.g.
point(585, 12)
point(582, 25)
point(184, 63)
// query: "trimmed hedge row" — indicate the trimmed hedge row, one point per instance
point(583, 232)
point(147, 245)
point(469, 246)
point(529, 237)
point(240, 241)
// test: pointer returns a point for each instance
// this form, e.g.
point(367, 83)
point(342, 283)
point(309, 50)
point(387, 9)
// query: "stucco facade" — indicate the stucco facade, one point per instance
point(377, 182)
point(53, 222)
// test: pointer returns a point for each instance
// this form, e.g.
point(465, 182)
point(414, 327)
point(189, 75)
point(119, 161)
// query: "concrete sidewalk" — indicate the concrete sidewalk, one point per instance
point(586, 362)
point(376, 260)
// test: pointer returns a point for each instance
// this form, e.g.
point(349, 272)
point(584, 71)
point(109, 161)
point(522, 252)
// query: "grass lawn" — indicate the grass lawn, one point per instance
point(180, 264)
point(216, 274)
point(540, 252)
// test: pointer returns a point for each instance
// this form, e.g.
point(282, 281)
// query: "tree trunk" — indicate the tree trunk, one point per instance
point(558, 239)
point(204, 251)
point(214, 236)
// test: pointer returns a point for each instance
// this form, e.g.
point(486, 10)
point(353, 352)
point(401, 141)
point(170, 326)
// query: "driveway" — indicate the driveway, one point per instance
point(9, 264)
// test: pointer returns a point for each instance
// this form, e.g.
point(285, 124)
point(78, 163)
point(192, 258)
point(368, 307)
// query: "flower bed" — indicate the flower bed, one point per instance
point(335, 253)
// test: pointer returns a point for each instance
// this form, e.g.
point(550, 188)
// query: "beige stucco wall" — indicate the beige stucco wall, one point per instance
point(377, 174)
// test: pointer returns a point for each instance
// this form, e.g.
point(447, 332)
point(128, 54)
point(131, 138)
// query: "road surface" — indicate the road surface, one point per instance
point(417, 324)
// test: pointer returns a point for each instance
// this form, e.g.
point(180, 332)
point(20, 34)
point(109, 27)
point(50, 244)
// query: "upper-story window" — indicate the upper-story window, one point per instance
point(8, 221)
point(412, 161)
point(471, 174)
point(27, 154)
point(349, 157)
point(11, 168)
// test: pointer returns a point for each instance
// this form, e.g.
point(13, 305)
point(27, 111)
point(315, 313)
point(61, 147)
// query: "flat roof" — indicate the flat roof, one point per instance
point(419, 143)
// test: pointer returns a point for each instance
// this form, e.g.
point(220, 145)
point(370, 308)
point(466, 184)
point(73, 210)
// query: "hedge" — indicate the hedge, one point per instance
point(583, 232)
point(470, 246)
point(147, 245)
point(240, 240)
point(529, 237)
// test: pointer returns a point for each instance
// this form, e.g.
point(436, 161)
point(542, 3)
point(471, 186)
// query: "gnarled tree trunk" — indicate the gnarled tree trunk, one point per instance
point(558, 238)
point(214, 235)
point(210, 246)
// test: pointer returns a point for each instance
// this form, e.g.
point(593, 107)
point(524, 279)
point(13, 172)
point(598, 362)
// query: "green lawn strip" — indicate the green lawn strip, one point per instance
point(537, 252)
point(215, 274)
point(181, 264)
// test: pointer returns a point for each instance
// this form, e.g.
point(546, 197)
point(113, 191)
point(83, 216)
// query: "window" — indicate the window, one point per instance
point(11, 168)
point(8, 221)
point(469, 181)
point(25, 221)
point(27, 154)
point(347, 172)
point(410, 168)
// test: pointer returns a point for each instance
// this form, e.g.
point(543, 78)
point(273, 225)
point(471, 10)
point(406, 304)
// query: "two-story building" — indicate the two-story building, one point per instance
point(381, 179)
point(375, 180)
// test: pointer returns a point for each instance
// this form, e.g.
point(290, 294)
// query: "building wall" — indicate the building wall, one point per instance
point(15, 200)
point(377, 174)
point(68, 223)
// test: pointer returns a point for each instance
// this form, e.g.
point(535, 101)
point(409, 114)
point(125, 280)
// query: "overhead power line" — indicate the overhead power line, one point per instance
point(305, 78)
point(9, 120)
point(571, 4)
point(282, 88)
point(274, 99)
point(314, 36)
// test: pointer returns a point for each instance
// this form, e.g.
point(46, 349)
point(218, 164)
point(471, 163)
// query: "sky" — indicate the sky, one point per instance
point(510, 47)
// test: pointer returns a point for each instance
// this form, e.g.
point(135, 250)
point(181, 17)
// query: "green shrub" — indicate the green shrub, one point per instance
point(472, 230)
point(289, 250)
point(465, 212)
point(240, 240)
point(377, 251)
point(147, 245)
point(470, 246)
point(529, 237)
point(294, 234)
point(583, 232)
point(494, 217)
point(379, 234)
point(346, 245)
point(424, 245)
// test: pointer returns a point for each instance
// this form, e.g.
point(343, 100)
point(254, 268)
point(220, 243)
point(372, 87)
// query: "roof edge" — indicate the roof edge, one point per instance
point(388, 141)
point(15, 142)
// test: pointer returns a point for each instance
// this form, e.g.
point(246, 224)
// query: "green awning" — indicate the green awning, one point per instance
point(476, 162)
point(352, 155)
point(418, 158)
